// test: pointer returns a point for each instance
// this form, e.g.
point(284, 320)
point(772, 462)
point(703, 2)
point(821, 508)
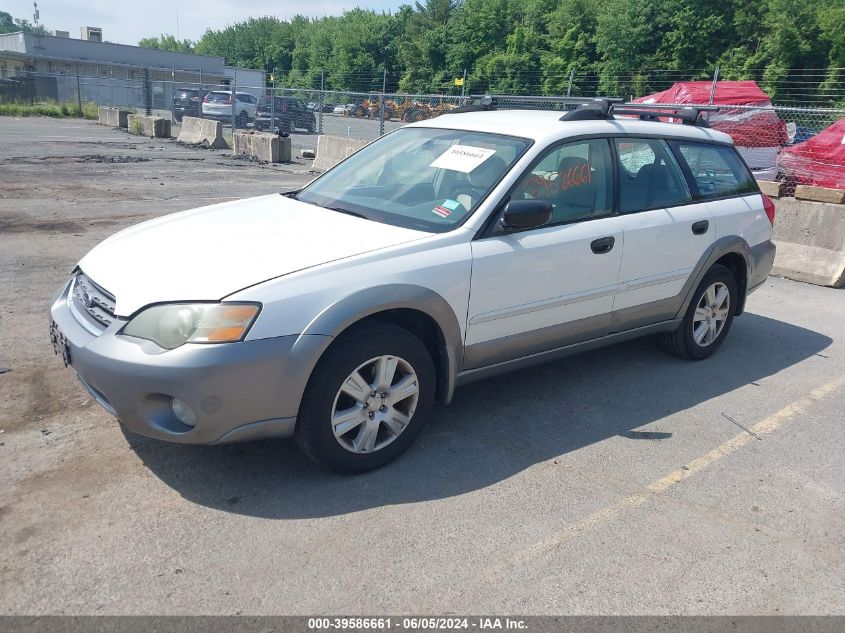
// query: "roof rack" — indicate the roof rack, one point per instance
point(486, 103)
point(603, 108)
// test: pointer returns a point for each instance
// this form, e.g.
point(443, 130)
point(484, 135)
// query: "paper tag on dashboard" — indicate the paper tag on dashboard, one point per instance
point(463, 158)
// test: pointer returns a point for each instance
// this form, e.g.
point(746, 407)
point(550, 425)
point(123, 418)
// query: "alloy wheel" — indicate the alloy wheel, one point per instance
point(711, 314)
point(375, 404)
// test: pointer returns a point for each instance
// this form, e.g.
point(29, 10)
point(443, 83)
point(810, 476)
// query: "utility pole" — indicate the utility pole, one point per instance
point(320, 103)
point(463, 86)
point(381, 106)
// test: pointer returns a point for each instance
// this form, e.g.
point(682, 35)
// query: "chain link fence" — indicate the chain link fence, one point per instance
point(770, 137)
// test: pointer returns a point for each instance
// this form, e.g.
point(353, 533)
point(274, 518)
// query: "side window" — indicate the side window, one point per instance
point(717, 171)
point(576, 178)
point(649, 176)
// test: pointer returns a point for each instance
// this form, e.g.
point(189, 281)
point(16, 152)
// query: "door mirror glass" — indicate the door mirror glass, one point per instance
point(526, 214)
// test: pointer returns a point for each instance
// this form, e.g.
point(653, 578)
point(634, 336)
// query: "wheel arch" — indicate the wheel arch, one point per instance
point(419, 310)
point(732, 252)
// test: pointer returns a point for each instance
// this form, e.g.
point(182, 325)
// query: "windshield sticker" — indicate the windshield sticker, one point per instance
point(451, 204)
point(442, 211)
point(462, 158)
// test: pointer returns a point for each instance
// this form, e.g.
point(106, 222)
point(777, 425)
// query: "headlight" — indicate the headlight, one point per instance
point(174, 324)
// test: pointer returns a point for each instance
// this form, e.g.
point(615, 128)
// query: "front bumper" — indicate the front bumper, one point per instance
point(239, 391)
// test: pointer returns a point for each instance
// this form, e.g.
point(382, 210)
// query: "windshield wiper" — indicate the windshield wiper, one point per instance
point(347, 212)
point(290, 194)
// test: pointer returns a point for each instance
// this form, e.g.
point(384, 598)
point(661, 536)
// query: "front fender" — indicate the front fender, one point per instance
point(345, 312)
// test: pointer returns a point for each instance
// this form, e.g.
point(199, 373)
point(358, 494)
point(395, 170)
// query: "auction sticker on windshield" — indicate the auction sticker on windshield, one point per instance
point(463, 158)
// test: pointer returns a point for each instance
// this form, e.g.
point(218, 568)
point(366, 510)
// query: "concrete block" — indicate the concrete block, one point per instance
point(270, 148)
point(309, 153)
point(197, 131)
point(820, 194)
point(114, 117)
point(153, 126)
point(771, 188)
point(333, 149)
point(810, 238)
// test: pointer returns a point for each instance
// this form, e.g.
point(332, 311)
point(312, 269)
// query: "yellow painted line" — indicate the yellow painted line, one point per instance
point(607, 514)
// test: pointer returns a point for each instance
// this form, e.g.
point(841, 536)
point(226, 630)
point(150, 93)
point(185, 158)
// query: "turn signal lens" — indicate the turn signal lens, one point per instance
point(172, 325)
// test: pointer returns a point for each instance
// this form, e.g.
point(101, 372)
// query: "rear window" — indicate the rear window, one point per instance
point(218, 97)
point(185, 94)
point(717, 171)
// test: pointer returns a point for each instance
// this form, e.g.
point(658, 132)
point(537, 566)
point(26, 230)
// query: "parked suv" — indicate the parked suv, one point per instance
point(218, 105)
point(447, 251)
point(186, 102)
point(284, 114)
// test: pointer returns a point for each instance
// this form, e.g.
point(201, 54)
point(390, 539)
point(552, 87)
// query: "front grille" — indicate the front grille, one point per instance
point(93, 306)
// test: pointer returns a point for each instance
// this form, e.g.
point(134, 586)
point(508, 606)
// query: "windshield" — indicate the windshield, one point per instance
point(422, 178)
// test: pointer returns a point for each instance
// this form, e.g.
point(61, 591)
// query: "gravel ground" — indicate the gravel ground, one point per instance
point(624, 481)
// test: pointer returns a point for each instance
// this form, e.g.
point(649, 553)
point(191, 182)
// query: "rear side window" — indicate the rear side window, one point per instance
point(649, 176)
point(716, 171)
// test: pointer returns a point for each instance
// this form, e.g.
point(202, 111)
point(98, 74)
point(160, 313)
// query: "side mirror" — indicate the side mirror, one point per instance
point(526, 214)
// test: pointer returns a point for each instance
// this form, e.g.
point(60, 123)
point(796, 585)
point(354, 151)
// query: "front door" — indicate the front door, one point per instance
point(543, 288)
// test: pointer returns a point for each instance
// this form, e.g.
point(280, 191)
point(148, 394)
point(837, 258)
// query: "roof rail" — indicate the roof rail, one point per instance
point(486, 103)
point(599, 109)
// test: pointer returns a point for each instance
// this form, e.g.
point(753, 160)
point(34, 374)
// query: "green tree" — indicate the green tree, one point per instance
point(8, 24)
point(167, 43)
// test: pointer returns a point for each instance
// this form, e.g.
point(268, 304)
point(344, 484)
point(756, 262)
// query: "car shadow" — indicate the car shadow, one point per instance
point(492, 430)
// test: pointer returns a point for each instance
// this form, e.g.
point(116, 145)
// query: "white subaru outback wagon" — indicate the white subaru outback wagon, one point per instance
point(447, 251)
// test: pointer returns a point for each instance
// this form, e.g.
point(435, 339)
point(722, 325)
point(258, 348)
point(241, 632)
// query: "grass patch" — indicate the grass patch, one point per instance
point(137, 127)
point(50, 109)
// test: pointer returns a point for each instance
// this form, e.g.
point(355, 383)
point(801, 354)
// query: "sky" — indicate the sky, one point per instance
point(126, 23)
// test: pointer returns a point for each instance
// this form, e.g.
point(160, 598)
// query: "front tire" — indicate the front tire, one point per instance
point(367, 399)
point(708, 318)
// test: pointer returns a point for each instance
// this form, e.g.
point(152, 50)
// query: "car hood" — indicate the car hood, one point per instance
point(212, 252)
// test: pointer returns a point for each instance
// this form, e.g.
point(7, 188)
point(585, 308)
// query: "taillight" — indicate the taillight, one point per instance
point(769, 208)
point(206, 100)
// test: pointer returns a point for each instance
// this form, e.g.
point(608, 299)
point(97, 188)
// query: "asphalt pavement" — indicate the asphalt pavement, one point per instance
point(622, 481)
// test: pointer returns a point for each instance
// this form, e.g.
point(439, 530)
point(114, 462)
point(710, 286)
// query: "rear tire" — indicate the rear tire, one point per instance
point(342, 425)
point(708, 319)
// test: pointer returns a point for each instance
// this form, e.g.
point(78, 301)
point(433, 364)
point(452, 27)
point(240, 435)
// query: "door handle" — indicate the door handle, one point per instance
point(602, 245)
point(700, 227)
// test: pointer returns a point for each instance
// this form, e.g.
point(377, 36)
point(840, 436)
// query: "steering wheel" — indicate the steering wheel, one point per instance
point(470, 192)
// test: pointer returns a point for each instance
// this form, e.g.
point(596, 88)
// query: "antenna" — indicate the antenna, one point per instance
point(36, 14)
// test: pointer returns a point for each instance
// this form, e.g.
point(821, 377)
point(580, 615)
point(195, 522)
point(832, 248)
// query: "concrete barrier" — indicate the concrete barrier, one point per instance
point(810, 238)
point(820, 194)
point(270, 148)
point(333, 149)
point(771, 188)
point(197, 131)
point(155, 126)
point(114, 117)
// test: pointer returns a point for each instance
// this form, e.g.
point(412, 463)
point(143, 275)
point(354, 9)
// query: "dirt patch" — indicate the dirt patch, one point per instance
point(25, 224)
point(86, 158)
point(102, 158)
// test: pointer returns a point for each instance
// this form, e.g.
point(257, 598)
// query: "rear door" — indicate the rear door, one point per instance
point(666, 231)
point(719, 177)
